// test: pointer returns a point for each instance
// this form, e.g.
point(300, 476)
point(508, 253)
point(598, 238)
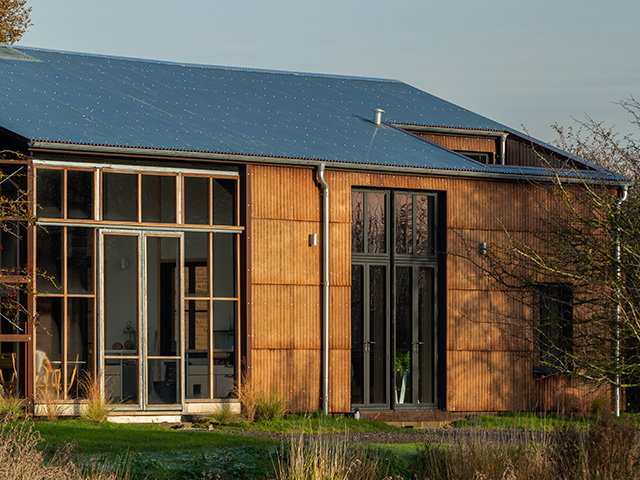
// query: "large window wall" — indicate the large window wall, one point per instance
point(141, 281)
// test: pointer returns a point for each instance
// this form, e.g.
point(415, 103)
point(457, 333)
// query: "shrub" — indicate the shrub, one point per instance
point(271, 407)
point(11, 408)
point(600, 404)
point(608, 450)
point(223, 415)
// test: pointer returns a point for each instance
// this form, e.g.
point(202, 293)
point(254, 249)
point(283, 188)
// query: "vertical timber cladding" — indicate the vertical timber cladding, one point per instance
point(286, 284)
point(485, 366)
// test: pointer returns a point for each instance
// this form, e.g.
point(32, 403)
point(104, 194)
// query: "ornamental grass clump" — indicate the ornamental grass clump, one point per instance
point(327, 456)
point(11, 408)
point(98, 406)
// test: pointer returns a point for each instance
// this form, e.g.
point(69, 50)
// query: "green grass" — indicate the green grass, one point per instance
point(310, 423)
point(89, 437)
point(529, 421)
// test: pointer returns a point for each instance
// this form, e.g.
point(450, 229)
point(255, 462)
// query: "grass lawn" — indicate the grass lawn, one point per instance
point(155, 452)
point(89, 437)
point(312, 423)
point(529, 421)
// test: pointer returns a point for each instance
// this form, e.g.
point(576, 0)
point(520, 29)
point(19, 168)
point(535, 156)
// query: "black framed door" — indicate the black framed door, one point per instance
point(370, 335)
point(394, 300)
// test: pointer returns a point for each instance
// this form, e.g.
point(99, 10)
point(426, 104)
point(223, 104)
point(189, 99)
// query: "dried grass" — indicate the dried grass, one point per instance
point(51, 400)
point(98, 405)
point(331, 457)
point(21, 459)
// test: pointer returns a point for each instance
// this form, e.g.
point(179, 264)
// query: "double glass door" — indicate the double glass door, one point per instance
point(141, 323)
point(393, 300)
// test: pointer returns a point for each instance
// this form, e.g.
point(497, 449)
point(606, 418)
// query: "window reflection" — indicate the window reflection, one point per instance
point(377, 222)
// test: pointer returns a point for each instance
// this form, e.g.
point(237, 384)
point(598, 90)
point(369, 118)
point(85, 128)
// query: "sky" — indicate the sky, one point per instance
point(525, 64)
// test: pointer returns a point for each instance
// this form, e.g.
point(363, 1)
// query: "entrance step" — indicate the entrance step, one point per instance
point(415, 419)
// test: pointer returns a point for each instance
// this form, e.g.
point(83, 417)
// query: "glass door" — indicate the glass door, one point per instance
point(141, 319)
point(370, 336)
point(414, 334)
point(163, 320)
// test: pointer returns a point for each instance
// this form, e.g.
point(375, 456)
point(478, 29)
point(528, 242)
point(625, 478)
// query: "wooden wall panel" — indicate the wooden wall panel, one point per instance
point(486, 320)
point(461, 142)
point(340, 380)
point(285, 193)
point(281, 253)
point(340, 318)
point(486, 368)
point(287, 316)
point(294, 373)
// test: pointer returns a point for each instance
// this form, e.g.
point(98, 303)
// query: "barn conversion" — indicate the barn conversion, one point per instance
point(198, 224)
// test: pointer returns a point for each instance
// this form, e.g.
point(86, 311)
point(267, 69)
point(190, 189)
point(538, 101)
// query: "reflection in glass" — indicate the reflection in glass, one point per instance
point(159, 198)
point(196, 200)
point(426, 387)
point(377, 228)
point(357, 334)
point(121, 305)
point(49, 259)
point(224, 278)
point(224, 201)
point(223, 324)
point(121, 380)
point(223, 347)
point(404, 335)
point(197, 355)
point(162, 381)
point(162, 299)
point(120, 196)
point(378, 335)
point(404, 224)
point(357, 221)
point(13, 245)
point(80, 349)
point(196, 250)
point(79, 260)
point(49, 342)
point(49, 193)
point(423, 225)
point(79, 194)
point(13, 308)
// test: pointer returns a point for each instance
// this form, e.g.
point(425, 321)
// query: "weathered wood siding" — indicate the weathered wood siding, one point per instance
point(463, 143)
point(486, 367)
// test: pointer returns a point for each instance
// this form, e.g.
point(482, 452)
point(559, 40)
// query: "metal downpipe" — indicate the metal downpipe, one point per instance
point(325, 294)
point(618, 306)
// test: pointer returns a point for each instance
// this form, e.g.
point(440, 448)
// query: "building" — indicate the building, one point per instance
point(200, 222)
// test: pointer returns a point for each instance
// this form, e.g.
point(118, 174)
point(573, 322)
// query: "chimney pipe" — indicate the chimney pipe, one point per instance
point(377, 116)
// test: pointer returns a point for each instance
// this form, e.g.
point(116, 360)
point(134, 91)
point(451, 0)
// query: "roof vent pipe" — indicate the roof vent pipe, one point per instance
point(377, 116)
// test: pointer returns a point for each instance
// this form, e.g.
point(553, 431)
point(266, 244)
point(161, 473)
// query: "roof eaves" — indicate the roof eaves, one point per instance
point(522, 173)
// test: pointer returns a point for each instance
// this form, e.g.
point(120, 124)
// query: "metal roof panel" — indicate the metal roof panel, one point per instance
point(97, 100)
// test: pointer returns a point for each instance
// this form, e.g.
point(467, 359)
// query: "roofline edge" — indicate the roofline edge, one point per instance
point(132, 151)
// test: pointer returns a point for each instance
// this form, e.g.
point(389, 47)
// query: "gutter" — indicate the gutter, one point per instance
point(432, 172)
point(325, 291)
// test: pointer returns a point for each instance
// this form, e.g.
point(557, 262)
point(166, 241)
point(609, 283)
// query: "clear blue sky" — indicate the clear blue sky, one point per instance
point(525, 64)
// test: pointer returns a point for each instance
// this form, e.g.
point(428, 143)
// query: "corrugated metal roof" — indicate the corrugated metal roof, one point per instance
point(70, 98)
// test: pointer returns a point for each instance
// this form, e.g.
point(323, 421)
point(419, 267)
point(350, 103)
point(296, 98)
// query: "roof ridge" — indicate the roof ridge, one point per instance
point(205, 66)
